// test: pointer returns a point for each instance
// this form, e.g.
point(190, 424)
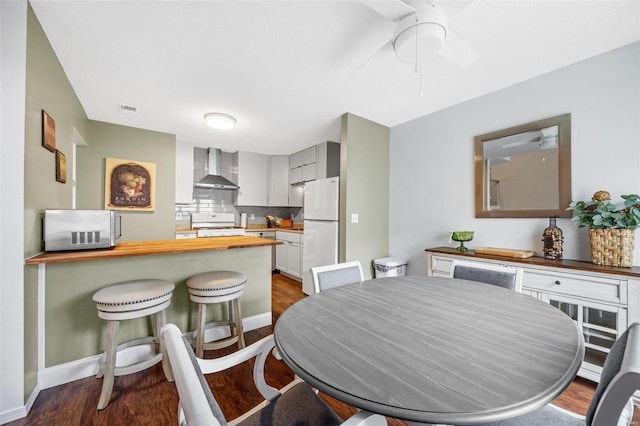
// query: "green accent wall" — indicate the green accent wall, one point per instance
point(73, 329)
point(69, 308)
point(130, 143)
point(47, 88)
point(364, 189)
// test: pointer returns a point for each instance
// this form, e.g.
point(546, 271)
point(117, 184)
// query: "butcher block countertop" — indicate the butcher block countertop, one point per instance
point(153, 247)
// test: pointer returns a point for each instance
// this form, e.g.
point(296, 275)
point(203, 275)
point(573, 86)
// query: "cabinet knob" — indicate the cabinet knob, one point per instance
point(557, 282)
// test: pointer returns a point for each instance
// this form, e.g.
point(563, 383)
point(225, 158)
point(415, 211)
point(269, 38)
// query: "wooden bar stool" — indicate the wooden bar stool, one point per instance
point(217, 287)
point(124, 301)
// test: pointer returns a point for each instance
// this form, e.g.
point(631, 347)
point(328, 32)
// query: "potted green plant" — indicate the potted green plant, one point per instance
point(611, 227)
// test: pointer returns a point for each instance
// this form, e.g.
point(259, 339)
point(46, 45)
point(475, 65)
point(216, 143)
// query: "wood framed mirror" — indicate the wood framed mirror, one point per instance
point(525, 170)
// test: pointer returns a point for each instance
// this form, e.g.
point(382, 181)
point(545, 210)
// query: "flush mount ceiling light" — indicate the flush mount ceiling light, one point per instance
point(219, 120)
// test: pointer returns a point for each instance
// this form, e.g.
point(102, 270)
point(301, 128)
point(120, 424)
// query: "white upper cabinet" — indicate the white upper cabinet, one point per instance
point(253, 170)
point(278, 191)
point(309, 156)
point(184, 173)
point(295, 176)
point(295, 160)
point(309, 172)
point(296, 195)
point(303, 166)
point(316, 162)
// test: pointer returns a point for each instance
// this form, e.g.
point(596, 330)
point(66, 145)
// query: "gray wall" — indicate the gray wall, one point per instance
point(432, 181)
point(129, 143)
point(364, 189)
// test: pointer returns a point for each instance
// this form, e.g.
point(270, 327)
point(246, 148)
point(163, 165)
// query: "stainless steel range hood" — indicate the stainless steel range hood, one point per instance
point(214, 179)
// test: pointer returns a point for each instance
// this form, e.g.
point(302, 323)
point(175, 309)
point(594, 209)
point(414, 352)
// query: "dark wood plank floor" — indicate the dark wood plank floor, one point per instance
point(146, 398)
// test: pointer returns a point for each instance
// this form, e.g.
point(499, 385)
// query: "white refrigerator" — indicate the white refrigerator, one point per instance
point(321, 226)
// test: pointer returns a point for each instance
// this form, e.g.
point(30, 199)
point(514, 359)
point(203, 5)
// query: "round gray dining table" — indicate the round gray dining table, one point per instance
point(430, 349)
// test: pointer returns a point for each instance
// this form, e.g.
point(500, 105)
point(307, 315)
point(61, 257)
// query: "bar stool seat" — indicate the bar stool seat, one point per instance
point(217, 287)
point(124, 301)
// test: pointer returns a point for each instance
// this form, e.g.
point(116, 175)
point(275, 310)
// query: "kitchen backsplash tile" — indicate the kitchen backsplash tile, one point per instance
point(222, 205)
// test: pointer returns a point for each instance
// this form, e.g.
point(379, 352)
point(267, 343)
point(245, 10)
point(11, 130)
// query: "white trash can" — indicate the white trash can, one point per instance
point(389, 267)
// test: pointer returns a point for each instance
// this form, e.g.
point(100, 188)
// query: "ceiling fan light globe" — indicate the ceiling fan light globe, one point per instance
point(429, 41)
point(422, 32)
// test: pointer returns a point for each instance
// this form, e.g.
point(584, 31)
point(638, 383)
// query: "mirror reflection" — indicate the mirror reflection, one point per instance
point(524, 171)
point(518, 166)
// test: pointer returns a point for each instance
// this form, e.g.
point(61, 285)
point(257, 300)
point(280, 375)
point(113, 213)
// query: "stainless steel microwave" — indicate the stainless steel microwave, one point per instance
point(81, 229)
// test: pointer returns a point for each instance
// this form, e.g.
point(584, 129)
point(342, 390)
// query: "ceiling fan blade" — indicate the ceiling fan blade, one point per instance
point(517, 143)
point(390, 9)
point(387, 46)
point(456, 50)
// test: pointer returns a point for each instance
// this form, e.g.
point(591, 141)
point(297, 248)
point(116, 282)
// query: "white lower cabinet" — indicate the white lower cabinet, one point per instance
point(602, 301)
point(289, 254)
point(600, 323)
point(294, 255)
point(281, 256)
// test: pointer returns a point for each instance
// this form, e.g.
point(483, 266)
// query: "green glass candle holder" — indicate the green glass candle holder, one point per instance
point(462, 237)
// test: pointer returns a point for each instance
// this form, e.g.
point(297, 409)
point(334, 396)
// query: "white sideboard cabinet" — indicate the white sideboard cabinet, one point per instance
point(602, 300)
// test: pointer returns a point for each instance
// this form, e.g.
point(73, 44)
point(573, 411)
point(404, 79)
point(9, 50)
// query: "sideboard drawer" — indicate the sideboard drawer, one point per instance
point(588, 287)
point(441, 265)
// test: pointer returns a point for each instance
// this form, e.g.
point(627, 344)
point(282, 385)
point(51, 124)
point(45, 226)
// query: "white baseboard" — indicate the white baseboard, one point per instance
point(293, 277)
point(13, 415)
point(82, 368)
point(20, 412)
point(68, 372)
point(86, 367)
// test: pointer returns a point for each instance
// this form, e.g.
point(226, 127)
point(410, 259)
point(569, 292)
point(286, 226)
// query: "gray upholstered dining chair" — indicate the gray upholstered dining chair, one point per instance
point(330, 276)
point(502, 276)
point(611, 404)
point(295, 404)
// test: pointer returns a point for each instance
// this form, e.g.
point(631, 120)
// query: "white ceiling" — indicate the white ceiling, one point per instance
point(287, 70)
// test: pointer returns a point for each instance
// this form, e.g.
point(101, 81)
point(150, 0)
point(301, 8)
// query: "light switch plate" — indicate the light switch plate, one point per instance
point(354, 217)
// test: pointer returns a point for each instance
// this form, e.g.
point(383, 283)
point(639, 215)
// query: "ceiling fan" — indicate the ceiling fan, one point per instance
point(421, 32)
point(546, 138)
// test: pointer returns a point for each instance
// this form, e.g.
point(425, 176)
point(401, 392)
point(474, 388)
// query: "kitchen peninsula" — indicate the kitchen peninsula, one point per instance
point(70, 334)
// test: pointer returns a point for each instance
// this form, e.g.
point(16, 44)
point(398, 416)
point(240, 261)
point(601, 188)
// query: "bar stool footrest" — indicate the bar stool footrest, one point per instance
point(219, 344)
point(142, 341)
point(138, 366)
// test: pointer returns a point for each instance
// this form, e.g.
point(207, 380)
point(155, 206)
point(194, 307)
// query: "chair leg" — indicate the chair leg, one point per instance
point(110, 363)
point(237, 319)
point(202, 313)
point(160, 320)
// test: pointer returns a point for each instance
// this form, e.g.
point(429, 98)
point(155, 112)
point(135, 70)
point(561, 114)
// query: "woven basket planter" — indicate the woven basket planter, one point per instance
point(612, 247)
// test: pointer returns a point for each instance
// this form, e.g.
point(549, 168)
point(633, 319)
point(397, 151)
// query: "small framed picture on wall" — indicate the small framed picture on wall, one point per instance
point(61, 167)
point(48, 132)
